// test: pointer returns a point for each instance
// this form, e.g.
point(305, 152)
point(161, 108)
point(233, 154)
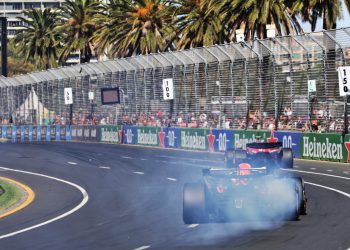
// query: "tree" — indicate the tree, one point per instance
point(133, 27)
point(77, 28)
point(38, 42)
point(253, 16)
point(198, 24)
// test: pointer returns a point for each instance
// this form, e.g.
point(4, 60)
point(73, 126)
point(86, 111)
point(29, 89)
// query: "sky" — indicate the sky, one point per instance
point(342, 23)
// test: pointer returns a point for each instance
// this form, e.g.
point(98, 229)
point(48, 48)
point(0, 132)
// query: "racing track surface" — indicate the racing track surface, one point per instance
point(135, 202)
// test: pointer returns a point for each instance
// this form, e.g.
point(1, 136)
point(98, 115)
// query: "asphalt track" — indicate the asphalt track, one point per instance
point(135, 202)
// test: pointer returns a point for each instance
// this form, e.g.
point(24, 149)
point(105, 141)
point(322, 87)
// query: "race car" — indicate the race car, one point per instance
point(272, 154)
point(243, 193)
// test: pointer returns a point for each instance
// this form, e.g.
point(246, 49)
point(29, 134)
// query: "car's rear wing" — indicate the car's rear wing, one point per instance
point(234, 172)
point(265, 145)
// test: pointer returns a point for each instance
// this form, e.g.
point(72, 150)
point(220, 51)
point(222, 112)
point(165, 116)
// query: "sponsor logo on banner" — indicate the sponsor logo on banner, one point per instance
point(14, 131)
point(129, 134)
point(171, 137)
point(195, 139)
point(4, 134)
point(161, 135)
point(110, 134)
point(30, 133)
point(48, 133)
point(58, 133)
point(289, 140)
point(347, 147)
point(147, 136)
point(68, 133)
point(223, 139)
point(22, 133)
point(80, 132)
point(242, 138)
point(38, 133)
point(211, 140)
point(322, 146)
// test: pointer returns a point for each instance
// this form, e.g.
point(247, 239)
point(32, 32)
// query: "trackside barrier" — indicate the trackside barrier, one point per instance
point(326, 147)
point(289, 139)
point(110, 134)
point(315, 146)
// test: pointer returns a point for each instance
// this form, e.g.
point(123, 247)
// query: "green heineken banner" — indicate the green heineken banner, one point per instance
point(242, 137)
point(147, 136)
point(110, 133)
point(347, 148)
point(326, 147)
point(196, 139)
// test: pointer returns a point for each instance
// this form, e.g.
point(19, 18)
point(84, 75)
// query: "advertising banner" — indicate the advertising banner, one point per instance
point(53, 132)
point(48, 133)
point(326, 147)
point(22, 133)
point(242, 137)
point(347, 148)
point(169, 137)
point(110, 133)
point(129, 134)
point(220, 140)
point(14, 133)
point(43, 133)
point(147, 136)
point(4, 134)
point(196, 139)
point(91, 133)
point(68, 132)
point(9, 133)
point(38, 133)
point(62, 133)
point(290, 140)
point(58, 132)
point(30, 133)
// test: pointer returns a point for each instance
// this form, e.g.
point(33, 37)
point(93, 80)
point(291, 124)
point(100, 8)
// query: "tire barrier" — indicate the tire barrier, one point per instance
point(314, 146)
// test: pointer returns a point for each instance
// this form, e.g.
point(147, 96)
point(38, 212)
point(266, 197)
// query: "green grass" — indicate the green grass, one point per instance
point(11, 196)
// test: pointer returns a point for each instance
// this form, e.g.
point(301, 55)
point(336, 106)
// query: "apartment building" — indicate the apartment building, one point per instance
point(12, 9)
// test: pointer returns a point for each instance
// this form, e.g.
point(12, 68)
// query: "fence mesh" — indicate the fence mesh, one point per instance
point(261, 84)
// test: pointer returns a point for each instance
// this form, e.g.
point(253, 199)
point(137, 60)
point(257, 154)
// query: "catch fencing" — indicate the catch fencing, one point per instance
point(259, 84)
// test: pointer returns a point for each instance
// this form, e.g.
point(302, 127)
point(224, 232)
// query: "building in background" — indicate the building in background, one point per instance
point(12, 9)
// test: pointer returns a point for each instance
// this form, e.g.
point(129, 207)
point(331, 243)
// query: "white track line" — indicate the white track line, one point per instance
point(104, 167)
point(139, 173)
point(72, 163)
point(126, 157)
point(81, 204)
point(329, 188)
point(315, 173)
point(171, 179)
point(193, 225)
point(328, 170)
point(142, 248)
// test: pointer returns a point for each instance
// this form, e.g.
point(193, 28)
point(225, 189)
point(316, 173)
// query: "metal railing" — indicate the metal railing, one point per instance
point(261, 84)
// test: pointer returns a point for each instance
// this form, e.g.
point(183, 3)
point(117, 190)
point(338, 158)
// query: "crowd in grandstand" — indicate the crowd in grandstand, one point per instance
point(254, 120)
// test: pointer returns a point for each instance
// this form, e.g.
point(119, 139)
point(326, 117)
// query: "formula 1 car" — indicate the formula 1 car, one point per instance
point(272, 154)
point(243, 193)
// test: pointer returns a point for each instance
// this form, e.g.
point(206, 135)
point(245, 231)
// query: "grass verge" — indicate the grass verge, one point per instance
point(11, 196)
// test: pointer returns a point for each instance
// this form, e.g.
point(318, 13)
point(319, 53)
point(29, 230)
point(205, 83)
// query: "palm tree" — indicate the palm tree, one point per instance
point(253, 16)
point(199, 24)
point(78, 27)
point(134, 27)
point(38, 42)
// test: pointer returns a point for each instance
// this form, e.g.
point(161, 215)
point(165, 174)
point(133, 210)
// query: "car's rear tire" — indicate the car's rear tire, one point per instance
point(287, 158)
point(194, 204)
point(302, 196)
